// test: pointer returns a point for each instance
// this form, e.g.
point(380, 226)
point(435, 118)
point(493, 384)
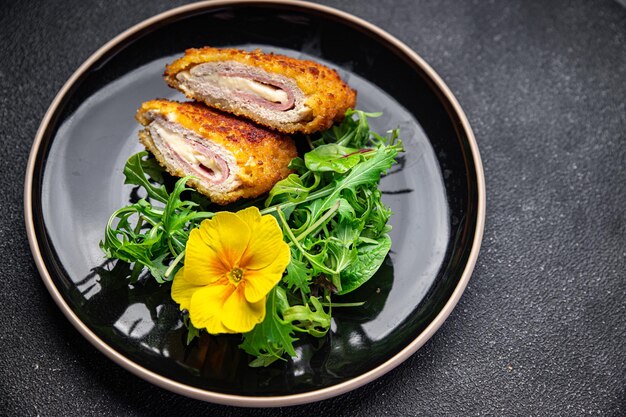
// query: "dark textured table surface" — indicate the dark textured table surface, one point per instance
point(541, 328)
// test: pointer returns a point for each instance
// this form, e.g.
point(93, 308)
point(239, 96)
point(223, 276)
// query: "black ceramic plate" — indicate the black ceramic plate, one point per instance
point(75, 181)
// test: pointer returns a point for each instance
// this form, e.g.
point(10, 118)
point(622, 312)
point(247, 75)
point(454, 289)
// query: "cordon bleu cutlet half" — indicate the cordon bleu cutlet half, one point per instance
point(284, 93)
point(231, 158)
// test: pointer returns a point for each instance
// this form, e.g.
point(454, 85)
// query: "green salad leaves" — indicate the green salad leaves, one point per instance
point(330, 212)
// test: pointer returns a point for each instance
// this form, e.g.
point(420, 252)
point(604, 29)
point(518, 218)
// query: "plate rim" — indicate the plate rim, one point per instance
point(240, 400)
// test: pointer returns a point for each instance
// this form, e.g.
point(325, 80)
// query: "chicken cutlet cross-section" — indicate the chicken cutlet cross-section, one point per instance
point(230, 158)
point(287, 94)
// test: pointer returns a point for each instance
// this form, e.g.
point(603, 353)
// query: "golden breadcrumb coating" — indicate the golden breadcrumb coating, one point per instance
point(326, 94)
point(261, 154)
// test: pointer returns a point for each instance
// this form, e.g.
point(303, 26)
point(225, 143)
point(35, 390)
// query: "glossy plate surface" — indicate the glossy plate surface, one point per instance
point(75, 181)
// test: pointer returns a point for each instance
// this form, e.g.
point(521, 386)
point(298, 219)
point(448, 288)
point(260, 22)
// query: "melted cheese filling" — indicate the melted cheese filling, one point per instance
point(266, 92)
point(188, 152)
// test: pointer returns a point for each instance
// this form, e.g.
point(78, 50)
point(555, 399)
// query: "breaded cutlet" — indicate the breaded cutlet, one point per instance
point(230, 157)
point(287, 94)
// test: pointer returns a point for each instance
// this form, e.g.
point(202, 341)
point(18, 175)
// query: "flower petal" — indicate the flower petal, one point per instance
point(259, 283)
point(250, 215)
point(202, 263)
point(240, 316)
point(207, 307)
point(227, 235)
point(266, 243)
point(183, 290)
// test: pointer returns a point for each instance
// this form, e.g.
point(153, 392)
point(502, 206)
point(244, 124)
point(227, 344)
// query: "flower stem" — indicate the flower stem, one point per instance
point(356, 304)
point(174, 263)
point(169, 244)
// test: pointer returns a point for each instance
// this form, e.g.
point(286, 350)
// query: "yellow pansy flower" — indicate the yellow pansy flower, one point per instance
point(232, 262)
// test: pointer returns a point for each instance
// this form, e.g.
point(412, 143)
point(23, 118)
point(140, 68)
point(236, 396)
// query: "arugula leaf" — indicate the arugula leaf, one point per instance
point(369, 171)
point(292, 188)
point(135, 172)
point(298, 275)
point(333, 157)
point(297, 164)
point(269, 340)
point(314, 321)
point(370, 258)
point(158, 269)
point(341, 247)
point(152, 169)
point(346, 211)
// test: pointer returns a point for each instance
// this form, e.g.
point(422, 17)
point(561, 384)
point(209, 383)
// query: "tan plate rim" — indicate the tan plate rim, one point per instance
point(238, 400)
